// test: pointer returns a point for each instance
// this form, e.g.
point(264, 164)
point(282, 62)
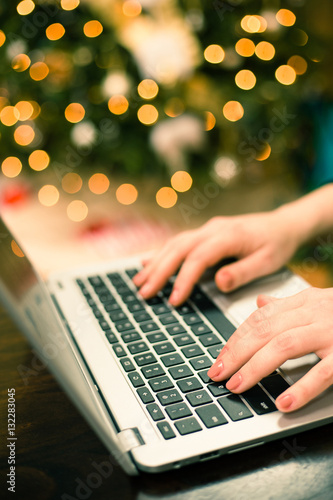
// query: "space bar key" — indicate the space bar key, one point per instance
point(216, 317)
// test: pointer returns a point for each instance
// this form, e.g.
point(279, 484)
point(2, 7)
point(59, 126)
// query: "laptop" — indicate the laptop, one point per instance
point(137, 370)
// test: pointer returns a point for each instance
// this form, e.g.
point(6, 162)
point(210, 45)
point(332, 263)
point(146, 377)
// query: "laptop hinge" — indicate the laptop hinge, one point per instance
point(130, 438)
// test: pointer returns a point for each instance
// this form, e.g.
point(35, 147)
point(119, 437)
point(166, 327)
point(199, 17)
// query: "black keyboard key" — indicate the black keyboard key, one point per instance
point(259, 401)
point(154, 300)
point(209, 339)
point(151, 371)
point(111, 337)
point(115, 278)
point(119, 350)
point(192, 319)
point(275, 385)
point(167, 289)
point(234, 407)
point(176, 329)
point(189, 384)
point(129, 298)
point(127, 364)
point(155, 412)
point(164, 348)
point(201, 362)
point(182, 371)
point(136, 379)
point(204, 377)
point(178, 410)
point(215, 350)
point(184, 309)
point(98, 314)
point(200, 329)
point(199, 398)
point(145, 395)
point(117, 315)
point(96, 281)
point(138, 347)
point(145, 359)
point(134, 307)
point(166, 430)
point(104, 325)
point(214, 315)
point(142, 316)
point(185, 339)
point(192, 351)
point(149, 327)
point(168, 397)
point(172, 360)
point(168, 319)
point(131, 272)
point(156, 337)
point(218, 389)
point(160, 309)
point(160, 383)
point(123, 326)
point(187, 426)
point(123, 290)
point(106, 298)
point(130, 337)
point(111, 306)
point(211, 416)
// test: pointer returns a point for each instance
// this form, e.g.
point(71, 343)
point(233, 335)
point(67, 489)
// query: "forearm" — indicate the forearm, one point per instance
point(310, 215)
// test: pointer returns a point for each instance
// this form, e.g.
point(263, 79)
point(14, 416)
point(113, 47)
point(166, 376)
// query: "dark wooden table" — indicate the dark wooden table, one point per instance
point(59, 457)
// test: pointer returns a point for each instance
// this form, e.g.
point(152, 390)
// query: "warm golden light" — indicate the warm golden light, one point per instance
point(36, 111)
point(132, 8)
point(181, 181)
point(265, 153)
point(9, 115)
point(2, 38)
point(210, 121)
point(74, 112)
point(174, 107)
point(148, 89)
point(214, 54)
point(3, 102)
point(245, 79)
point(77, 211)
point(25, 7)
point(11, 166)
point(69, 4)
point(98, 183)
point(25, 109)
point(21, 62)
point(55, 31)
point(233, 111)
point(285, 74)
point(39, 160)
point(92, 29)
point(166, 197)
point(245, 47)
point(299, 64)
point(24, 135)
point(254, 24)
point(147, 114)
point(38, 71)
point(286, 17)
point(16, 249)
point(48, 195)
point(118, 104)
point(265, 51)
point(71, 183)
point(126, 194)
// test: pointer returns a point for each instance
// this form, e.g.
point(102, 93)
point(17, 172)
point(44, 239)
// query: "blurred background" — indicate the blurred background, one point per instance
point(125, 121)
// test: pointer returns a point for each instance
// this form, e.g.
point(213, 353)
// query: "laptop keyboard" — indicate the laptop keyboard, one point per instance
point(165, 353)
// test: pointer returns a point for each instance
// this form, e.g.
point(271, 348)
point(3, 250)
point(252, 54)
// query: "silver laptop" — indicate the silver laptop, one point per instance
point(137, 370)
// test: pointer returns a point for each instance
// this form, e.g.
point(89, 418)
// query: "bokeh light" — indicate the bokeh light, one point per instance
point(132, 8)
point(233, 111)
point(245, 79)
point(214, 54)
point(25, 109)
point(55, 31)
point(126, 194)
point(11, 166)
point(254, 24)
point(16, 249)
point(48, 195)
point(69, 4)
point(92, 29)
point(39, 160)
point(245, 47)
point(71, 183)
point(25, 7)
point(118, 104)
point(9, 115)
point(77, 210)
point(147, 114)
point(148, 89)
point(166, 197)
point(24, 135)
point(286, 17)
point(98, 183)
point(285, 74)
point(38, 71)
point(2, 38)
point(74, 112)
point(174, 107)
point(210, 121)
point(265, 51)
point(21, 62)
point(264, 153)
point(181, 181)
point(299, 64)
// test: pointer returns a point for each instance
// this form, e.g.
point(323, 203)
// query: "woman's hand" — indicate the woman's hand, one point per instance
point(262, 243)
point(281, 329)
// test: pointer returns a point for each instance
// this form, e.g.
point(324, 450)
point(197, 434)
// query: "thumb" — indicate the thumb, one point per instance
point(262, 300)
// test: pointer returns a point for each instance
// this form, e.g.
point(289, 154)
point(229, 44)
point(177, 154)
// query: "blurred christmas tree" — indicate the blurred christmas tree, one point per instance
point(155, 86)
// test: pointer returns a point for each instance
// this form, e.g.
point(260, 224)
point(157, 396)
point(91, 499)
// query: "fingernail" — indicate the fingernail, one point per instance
point(174, 297)
point(215, 370)
point(145, 290)
point(234, 382)
point(285, 402)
